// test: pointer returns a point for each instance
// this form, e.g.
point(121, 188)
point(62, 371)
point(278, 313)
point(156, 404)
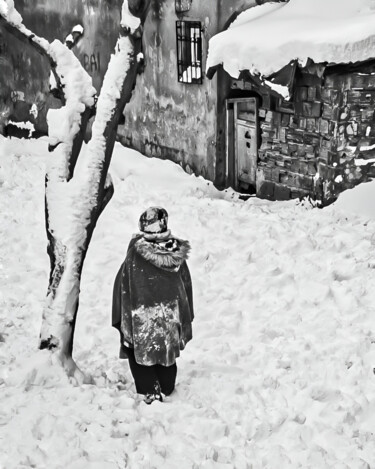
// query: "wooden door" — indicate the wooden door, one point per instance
point(246, 154)
point(242, 143)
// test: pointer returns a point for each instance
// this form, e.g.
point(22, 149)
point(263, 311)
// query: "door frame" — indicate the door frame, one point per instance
point(231, 167)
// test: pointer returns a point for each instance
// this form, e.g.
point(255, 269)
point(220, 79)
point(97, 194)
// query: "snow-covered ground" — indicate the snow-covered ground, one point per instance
point(279, 373)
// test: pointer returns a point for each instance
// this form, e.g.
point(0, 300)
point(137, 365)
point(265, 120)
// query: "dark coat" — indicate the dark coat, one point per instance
point(153, 301)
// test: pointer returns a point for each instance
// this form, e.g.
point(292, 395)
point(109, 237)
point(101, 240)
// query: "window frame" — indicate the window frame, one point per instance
point(189, 52)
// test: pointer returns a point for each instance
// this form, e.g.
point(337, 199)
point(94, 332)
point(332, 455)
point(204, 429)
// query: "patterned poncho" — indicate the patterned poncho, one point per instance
point(153, 301)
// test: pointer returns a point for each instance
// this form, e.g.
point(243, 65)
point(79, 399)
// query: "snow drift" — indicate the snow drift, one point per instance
point(279, 371)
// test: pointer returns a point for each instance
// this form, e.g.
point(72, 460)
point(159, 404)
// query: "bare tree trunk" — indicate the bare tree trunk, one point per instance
point(60, 314)
point(74, 202)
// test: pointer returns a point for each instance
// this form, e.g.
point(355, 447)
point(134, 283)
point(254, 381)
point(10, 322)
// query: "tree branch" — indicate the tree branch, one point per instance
point(43, 47)
point(78, 141)
point(138, 8)
point(108, 194)
point(28, 38)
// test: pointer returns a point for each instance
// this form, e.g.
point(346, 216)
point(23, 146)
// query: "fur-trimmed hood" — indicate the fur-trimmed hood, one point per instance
point(166, 254)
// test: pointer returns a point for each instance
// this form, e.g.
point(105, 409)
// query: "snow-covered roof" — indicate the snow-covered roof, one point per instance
point(265, 38)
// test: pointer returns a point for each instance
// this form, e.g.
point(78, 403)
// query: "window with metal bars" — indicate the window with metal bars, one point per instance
point(182, 5)
point(189, 51)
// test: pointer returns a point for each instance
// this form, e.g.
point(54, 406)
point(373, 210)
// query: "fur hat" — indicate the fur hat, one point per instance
point(154, 220)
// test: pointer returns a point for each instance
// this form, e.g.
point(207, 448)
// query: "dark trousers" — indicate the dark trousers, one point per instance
point(147, 377)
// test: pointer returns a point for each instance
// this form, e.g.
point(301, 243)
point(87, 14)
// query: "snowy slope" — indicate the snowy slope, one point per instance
point(359, 200)
point(265, 38)
point(278, 375)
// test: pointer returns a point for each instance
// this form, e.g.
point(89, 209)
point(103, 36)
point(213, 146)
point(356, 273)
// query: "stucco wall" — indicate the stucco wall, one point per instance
point(24, 73)
point(166, 118)
point(174, 120)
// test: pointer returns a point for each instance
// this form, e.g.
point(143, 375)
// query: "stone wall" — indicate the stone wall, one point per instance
point(319, 143)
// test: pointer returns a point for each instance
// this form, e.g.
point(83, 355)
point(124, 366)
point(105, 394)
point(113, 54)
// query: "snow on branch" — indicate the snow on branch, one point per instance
point(12, 22)
point(67, 66)
point(74, 36)
point(78, 28)
point(8, 11)
point(112, 86)
point(76, 197)
point(64, 124)
point(70, 41)
point(90, 177)
point(79, 93)
point(129, 21)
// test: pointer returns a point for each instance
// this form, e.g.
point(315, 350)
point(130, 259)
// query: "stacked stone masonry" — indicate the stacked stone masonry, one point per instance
point(311, 144)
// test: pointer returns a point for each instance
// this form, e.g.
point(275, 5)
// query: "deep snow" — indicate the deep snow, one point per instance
point(280, 370)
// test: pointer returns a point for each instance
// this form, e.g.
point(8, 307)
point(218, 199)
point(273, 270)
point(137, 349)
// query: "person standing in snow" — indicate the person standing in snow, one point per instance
point(153, 305)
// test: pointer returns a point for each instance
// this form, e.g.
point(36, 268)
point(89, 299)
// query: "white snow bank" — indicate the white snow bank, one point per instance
point(159, 174)
point(265, 38)
point(359, 200)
